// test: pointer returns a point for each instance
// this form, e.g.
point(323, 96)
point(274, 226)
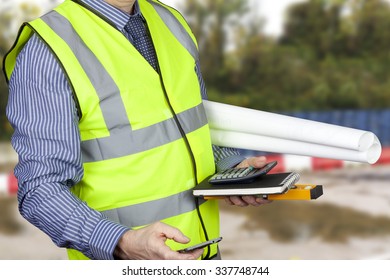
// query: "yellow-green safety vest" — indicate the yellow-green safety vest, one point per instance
point(145, 139)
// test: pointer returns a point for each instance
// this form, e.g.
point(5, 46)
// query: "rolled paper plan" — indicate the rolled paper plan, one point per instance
point(277, 145)
point(239, 119)
point(243, 128)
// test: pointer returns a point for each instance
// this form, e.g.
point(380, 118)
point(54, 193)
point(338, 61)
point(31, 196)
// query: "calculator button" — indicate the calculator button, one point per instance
point(240, 175)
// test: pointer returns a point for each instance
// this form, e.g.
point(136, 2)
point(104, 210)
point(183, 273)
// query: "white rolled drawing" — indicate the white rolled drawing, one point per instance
point(239, 127)
point(263, 143)
point(239, 119)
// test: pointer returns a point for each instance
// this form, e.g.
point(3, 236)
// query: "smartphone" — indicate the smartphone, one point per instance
point(200, 245)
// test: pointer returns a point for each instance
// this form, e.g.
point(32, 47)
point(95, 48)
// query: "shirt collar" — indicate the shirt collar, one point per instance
point(115, 15)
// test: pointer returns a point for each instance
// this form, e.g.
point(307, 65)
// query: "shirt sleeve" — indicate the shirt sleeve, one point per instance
point(224, 157)
point(46, 137)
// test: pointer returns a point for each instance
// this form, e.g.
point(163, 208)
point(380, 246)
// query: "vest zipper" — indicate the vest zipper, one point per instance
point(179, 126)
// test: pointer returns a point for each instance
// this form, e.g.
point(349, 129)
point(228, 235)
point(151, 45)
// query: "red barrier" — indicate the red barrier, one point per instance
point(385, 156)
point(8, 184)
point(325, 164)
point(12, 184)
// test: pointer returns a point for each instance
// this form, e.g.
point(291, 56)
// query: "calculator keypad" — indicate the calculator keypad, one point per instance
point(240, 175)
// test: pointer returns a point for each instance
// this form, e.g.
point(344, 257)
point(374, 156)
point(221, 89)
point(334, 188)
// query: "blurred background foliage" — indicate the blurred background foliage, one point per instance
point(10, 18)
point(332, 54)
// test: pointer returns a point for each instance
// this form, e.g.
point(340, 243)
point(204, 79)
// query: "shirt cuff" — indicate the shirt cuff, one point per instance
point(105, 238)
point(229, 162)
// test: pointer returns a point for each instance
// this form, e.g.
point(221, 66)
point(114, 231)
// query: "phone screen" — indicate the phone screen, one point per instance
point(200, 245)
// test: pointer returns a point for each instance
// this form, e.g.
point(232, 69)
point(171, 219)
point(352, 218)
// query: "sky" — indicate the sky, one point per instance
point(271, 10)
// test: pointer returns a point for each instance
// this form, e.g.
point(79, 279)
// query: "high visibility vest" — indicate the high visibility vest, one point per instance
point(144, 135)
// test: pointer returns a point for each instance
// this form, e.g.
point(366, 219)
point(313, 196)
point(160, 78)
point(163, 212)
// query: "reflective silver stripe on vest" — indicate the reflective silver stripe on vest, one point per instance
point(152, 211)
point(126, 142)
point(111, 103)
point(177, 29)
point(123, 141)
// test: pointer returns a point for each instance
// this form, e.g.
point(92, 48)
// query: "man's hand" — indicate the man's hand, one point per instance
point(247, 200)
point(149, 244)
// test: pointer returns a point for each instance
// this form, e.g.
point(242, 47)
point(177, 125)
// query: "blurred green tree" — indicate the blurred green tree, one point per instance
point(212, 22)
point(315, 24)
point(10, 18)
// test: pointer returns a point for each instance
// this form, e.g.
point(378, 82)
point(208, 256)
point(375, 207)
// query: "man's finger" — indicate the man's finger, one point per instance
point(236, 200)
point(173, 233)
point(257, 162)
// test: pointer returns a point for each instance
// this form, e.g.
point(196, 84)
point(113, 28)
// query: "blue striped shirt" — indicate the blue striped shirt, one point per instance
point(45, 119)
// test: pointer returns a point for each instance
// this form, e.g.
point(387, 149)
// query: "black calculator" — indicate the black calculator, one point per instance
point(240, 175)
